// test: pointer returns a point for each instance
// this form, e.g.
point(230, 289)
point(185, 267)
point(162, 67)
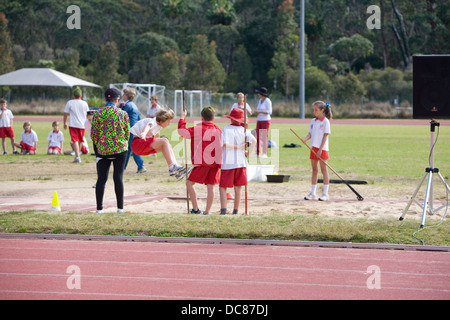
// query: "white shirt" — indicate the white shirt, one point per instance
point(77, 110)
point(5, 121)
point(234, 158)
point(151, 112)
point(266, 106)
point(139, 127)
point(317, 129)
point(29, 138)
point(236, 105)
point(55, 138)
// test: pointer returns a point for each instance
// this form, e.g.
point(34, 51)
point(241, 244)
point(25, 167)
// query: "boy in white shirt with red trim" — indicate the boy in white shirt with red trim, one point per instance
point(55, 139)
point(146, 141)
point(234, 159)
point(6, 123)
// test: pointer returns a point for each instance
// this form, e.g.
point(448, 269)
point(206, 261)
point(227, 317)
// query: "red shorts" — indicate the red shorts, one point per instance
point(27, 147)
point(76, 134)
point(55, 148)
point(205, 175)
point(6, 132)
point(233, 178)
point(142, 147)
point(324, 155)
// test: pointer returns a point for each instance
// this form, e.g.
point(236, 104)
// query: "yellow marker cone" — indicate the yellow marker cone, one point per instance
point(55, 203)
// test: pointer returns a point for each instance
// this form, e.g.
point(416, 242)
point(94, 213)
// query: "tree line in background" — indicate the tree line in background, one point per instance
point(229, 46)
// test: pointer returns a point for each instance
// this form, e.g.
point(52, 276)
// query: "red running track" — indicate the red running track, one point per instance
point(40, 269)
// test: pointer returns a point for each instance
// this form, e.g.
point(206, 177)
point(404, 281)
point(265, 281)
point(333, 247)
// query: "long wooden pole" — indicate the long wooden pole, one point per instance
point(186, 159)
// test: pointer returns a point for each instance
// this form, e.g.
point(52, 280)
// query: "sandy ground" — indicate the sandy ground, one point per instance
point(156, 192)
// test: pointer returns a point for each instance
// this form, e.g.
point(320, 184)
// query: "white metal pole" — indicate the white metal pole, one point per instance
point(302, 60)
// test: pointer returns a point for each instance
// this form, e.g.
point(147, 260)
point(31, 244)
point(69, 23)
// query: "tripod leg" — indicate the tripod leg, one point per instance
point(412, 198)
point(427, 196)
point(448, 191)
point(444, 182)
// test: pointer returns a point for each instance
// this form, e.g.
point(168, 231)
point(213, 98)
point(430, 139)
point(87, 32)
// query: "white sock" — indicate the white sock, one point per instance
point(313, 189)
point(325, 188)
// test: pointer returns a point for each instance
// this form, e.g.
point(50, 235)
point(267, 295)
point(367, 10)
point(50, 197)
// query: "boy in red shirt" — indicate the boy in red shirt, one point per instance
point(206, 156)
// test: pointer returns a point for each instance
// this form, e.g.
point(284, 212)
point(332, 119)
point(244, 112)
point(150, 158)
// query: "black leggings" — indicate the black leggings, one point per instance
point(103, 165)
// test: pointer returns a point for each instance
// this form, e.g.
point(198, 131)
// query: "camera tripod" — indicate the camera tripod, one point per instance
point(428, 203)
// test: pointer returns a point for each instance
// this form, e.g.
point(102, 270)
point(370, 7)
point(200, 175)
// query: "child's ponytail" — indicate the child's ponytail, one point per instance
point(327, 111)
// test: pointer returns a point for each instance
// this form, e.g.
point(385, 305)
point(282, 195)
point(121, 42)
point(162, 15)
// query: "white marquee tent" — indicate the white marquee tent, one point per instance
point(42, 77)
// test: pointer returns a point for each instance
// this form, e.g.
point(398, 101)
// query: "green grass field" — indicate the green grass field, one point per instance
point(383, 155)
point(380, 152)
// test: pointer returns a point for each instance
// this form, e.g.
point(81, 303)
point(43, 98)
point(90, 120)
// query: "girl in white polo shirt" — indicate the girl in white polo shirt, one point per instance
point(28, 139)
point(318, 133)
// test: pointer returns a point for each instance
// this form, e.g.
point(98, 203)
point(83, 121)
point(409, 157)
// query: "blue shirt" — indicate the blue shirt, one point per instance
point(133, 112)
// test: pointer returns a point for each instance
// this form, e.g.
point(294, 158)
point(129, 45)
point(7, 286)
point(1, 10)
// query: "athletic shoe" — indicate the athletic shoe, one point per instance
point(180, 175)
point(174, 169)
point(264, 156)
point(324, 197)
point(205, 213)
point(198, 211)
point(120, 211)
point(311, 197)
point(77, 160)
point(99, 211)
point(141, 170)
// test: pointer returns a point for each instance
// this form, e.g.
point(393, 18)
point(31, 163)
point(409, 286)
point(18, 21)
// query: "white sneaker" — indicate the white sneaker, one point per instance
point(120, 211)
point(182, 173)
point(176, 169)
point(99, 211)
point(141, 170)
point(263, 156)
point(311, 197)
point(324, 197)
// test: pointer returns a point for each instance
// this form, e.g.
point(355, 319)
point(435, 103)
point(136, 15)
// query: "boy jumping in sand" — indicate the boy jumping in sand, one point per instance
point(146, 141)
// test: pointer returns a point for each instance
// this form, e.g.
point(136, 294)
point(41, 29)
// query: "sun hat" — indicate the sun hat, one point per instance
point(262, 91)
point(236, 115)
point(77, 92)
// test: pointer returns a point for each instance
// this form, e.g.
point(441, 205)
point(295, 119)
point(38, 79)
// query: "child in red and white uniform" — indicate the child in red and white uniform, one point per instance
point(234, 159)
point(318, 133)
point(146, 141)
point(206, 156)
point(28, 139)
point(6, 123)
point(55, 139)
point(240, 104)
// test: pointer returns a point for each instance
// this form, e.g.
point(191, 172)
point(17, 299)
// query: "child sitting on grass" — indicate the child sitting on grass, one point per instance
point(55, 140)
point(28, 140)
